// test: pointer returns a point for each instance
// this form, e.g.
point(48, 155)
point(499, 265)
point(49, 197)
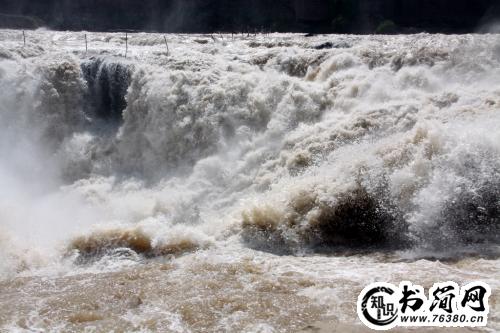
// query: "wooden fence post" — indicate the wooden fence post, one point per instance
point(24, 38)
point(86, 45)
point(168, 51)
point(126, 44)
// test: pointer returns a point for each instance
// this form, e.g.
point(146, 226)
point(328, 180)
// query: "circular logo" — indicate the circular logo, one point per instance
point(378, 306)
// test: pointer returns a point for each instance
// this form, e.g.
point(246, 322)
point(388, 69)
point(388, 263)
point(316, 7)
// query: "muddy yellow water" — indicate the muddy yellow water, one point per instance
point(210, 291)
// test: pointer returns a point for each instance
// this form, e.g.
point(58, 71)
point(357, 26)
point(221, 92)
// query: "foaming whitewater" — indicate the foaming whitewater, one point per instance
point(241, 183)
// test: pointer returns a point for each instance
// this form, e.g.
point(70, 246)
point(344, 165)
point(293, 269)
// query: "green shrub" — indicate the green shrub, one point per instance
point(386, 27)
point(340, 24)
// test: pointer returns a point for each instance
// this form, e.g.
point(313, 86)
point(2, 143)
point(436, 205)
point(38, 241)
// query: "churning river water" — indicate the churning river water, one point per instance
point(197, 183)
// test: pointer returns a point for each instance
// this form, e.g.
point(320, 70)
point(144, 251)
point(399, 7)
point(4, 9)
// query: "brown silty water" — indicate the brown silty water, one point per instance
point(246, 184)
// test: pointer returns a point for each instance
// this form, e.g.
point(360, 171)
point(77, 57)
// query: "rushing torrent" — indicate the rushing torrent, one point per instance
point(241, 183)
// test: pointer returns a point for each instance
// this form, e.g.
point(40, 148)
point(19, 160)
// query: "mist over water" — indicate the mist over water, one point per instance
point(254, 171)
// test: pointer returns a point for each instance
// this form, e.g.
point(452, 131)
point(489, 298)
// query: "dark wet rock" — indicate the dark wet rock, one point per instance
point(331, 45)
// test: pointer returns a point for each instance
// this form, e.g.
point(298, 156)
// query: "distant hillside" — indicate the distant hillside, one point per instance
point(19, 22)
point(328, 16)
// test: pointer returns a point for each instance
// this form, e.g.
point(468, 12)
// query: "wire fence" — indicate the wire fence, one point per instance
point(204, 38)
